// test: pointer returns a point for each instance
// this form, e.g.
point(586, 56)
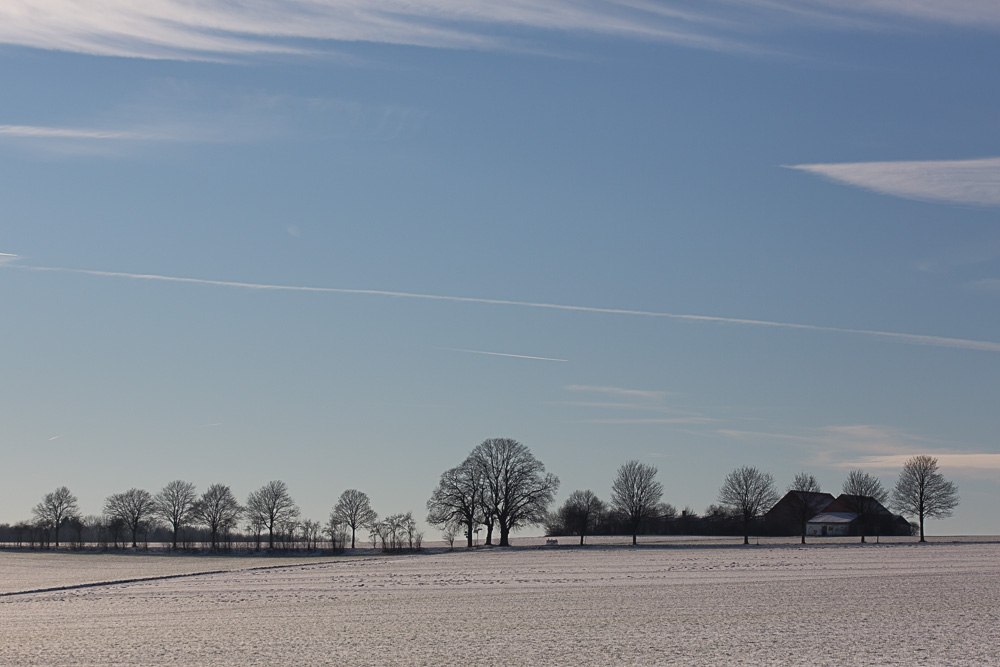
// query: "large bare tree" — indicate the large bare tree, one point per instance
point(635, 493)
point(272, 504)
point(923, 492)
point(748, 492)
point(174, 504)
point(354, 509)
point(865, 496)
point(518, 491)
point(805, 499)
point(134, 508)
point(458, 499)
point(218, 510)
point(55, 509)
point(581, 511)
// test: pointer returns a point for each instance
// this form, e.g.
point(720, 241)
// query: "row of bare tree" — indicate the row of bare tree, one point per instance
point(500, 483)
point(269, 510)
point(500, 486)
point(921, 492)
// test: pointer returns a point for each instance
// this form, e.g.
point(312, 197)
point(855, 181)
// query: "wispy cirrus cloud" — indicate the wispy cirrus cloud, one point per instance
point(176, 29)
point(947, 460)
point(873, 446)
point(885, 14)
point(618, 391)
point(651, 420)
point(181, 112)
point(988, 284)
point(503, 354)
point(973, 182)
point(236, 29)
point(832, 443)
point(612, 405)
point(42, 132)
point(888, 336)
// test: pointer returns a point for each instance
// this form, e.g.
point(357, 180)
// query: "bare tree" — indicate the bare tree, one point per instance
point(865, 495)
point(458, 499)
point(273, 505)
point(449, 532)
point(354, 509)
point(518, 491)
point(311, 531)
point(581, 511)
point(748, 492)
point(55, 509)
point(922, 491)
point(804, 501)
point(218, 510)
point(174, 504)
point(334, 529)
point(635, 493)
point(134, 508)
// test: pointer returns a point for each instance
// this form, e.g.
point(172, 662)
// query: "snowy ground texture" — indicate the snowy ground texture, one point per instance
point(714, 604)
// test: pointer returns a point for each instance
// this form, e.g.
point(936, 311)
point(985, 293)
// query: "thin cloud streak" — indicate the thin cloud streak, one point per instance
point(664, 420)
point(830, 442)
point(945, 460)
point(972, 182)
point(989, 284)
point(618, 391)
point(41, 132)
point(503, 354)
point(613, 406)
point(891, 336)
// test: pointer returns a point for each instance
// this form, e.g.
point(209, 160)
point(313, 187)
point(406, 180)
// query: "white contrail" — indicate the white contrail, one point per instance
point(502, 354)
point(914, 339)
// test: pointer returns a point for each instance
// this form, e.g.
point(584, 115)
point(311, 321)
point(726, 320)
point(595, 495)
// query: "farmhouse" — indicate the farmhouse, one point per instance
point(841, 518)
point(788, 514)
point(831, 523)
point(825, 515)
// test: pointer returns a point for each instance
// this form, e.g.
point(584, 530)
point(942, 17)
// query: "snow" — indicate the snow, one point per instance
point(829, 604)
point(26, 570)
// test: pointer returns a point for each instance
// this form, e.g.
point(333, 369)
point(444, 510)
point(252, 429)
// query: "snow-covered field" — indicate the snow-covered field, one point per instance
point(27, 571)
point(840, 604)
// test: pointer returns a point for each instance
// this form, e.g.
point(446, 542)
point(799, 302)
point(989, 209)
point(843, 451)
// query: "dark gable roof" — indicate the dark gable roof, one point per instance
point(848, 503)
point(791, 500)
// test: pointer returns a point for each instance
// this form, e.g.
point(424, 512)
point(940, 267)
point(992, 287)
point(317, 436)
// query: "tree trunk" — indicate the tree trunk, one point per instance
point(633, 539)
point(581, 539)
point(352, 537)
point(504, 535)
point(270, 537)
point(489, 534)
point(746, 531)
point(921, 529)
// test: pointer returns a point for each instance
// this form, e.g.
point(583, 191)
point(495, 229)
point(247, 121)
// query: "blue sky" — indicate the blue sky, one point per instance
point(341, 243)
